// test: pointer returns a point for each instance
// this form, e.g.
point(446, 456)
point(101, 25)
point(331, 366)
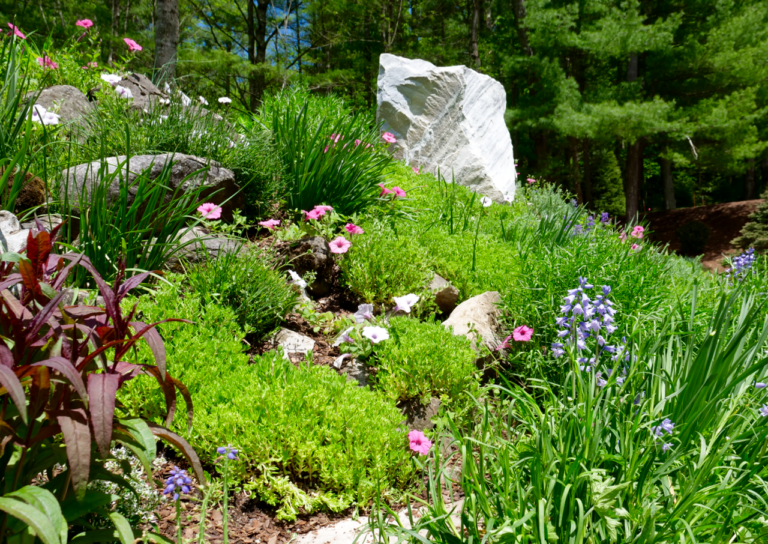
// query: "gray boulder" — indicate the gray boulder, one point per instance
point(219, 182)
point(311, 254)
point(49, 222)
point(446, 295)
point(71, 105)
point(199, 245)
point(293, 344)
point(145, 93)
point(451, 118)
point(357, 372)
point(12, 236)
point(419, 416)
point(477, 319)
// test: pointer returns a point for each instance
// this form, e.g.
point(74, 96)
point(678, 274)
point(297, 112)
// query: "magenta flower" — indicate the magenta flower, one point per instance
point(324, 208)
point(340, 245)
point(132, 45)
point(270, 224)
point(316, 213)
point(635, 247)
point(416, 171)
point(504, 344)
point(385, 191)
point(335, 138)
point(46, 62)
point(398, 192)
point(353, 229)
point(389, 138)
point(623, 236)
point(15, 31)
point(210, 210)
point(419, 443)
point(637, 232)
point(85, 23)
point(523, 333)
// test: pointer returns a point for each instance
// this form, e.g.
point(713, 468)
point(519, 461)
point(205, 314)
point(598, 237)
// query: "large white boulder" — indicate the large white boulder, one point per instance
point(451, 118)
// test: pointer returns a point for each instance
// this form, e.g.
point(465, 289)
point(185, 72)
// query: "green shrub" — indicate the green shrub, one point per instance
point(423, 360)
point(309, 424)
point(383, 263)
point(693, 237)
point(244, 281)
point(337, 161)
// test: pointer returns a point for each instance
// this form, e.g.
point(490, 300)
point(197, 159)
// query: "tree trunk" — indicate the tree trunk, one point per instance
point(669, 183)
point(166, 38)
point(115, 28)
point(750, 185)
point(587, 177)
point(634, 157)
point(257, 50)
point(575, 171)
point(477, 13)
point(518, 7)
point(764, 174)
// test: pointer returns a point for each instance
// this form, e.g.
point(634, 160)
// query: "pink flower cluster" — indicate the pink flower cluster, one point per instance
point(15, 31)
point(339, 245)
point(132, 45)
point(397, 191)
point(270, 224)
point(637, 232)
point(316, 213)
point(523, 333)
point(85, 23)
point(353, 229)
point(209, 210)
point(419, 443)
point(46, 62)
point(389, 138)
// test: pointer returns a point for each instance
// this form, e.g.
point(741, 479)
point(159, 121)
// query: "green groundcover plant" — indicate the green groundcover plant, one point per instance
point(308, 439)
point(422, 360)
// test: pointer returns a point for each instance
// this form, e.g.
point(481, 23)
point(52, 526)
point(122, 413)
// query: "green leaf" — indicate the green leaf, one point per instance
point(142, 434)
point(46, 502)
point(101, 535)
point(123, 528)
point(73, 509)
point(37, 520)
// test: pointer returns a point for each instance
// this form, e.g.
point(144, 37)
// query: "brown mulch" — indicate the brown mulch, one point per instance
point(725, 222)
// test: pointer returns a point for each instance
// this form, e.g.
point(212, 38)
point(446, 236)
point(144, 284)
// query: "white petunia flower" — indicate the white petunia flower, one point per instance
point(112, 79)
point(225, 100)
point(375, 334)
point(122, 92)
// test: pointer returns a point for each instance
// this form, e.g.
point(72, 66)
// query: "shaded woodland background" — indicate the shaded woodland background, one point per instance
point(631, 105)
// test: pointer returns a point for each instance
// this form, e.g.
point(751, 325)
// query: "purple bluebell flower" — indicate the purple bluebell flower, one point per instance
point(600, 381)
point(667, 446)
point(764, 410)
point(177, 480)
point(639, 398)
point(230, 452)
point(574, 203)
point(742, 265)
point(760, 385)
point(605, 217)
point(665, 426)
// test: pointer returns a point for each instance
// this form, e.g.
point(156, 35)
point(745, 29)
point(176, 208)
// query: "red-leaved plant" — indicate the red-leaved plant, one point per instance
point(61, 367)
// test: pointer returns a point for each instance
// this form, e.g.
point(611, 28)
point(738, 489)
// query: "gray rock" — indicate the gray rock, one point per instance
point(74, 297)
point(293, 343)
point(49, 221)
point(451, 118)
point(477, 316)
point(12, 236)
point(145, 93)
point(216, 179)
point(446, 295)
point(199, 245)
point(71, 105)
point(357, 372)
point(419, 416)
point(311, 254)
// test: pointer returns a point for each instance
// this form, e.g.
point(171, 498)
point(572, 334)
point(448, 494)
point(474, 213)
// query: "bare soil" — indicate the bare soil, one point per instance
point(725, 222)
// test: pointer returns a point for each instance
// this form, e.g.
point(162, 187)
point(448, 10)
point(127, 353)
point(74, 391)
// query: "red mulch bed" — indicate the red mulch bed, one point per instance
point(725, 222)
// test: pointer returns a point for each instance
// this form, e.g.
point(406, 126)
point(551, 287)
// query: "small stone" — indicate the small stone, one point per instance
point(419, 416)
point(446, 295)
point(478, 315)
point(12, 236)
point(49, 222)
point(293, 343)
point(202, 246)
point(357, 371)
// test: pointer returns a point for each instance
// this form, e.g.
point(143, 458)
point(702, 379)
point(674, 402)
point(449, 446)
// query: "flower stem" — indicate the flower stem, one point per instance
point(178, 521)
point(226, 500)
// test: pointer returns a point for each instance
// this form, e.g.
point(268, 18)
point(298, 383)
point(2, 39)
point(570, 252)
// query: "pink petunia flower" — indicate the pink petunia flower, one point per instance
point(389, 138)
point(15, 31)
point(623, 236)
point(210, 210)
point(324, 208)
point(398, 192)
point(335, 138)
point(358, 142)
point(530, 181)
point(419, 443)
point(635, 247)
point(385, 191)
point(340, 245)
point(313, 214)
point(637, 232)
point(270, 224)
point(85, 23)
point(353, 229)
point(46, 62)
point(504, 344)
point(132, 45)
point(523, 333)
point(416, 171)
